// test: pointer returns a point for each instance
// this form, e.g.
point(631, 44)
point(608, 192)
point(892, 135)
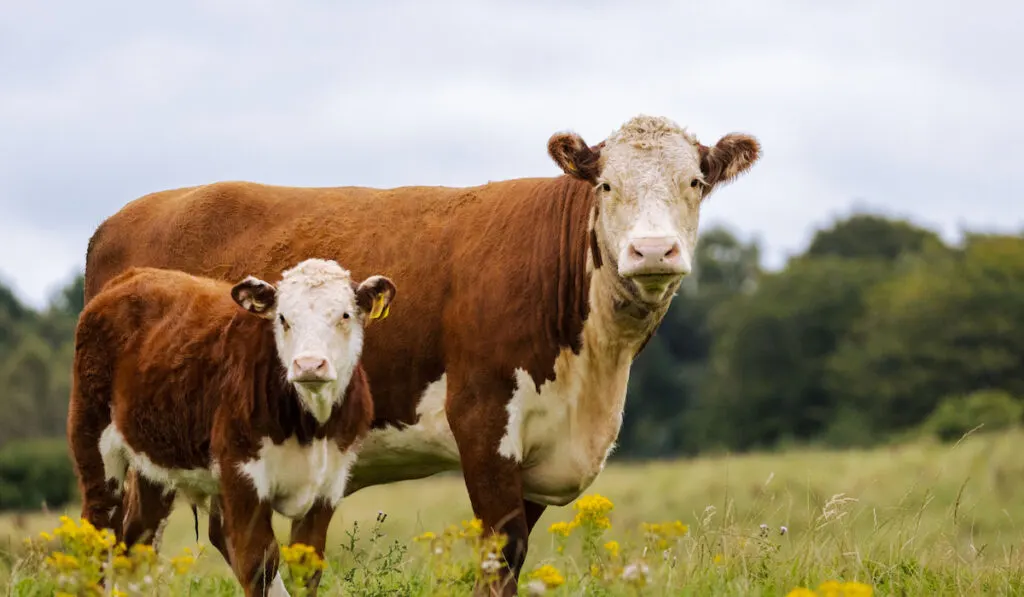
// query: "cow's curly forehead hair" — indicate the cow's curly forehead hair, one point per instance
point(314, 273)
point(648, 132)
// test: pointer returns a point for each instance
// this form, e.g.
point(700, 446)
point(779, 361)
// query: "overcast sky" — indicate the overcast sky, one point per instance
point(912, 108)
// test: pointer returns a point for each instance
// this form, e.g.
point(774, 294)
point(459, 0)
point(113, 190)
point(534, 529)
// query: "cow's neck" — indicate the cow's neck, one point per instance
point(620, 321)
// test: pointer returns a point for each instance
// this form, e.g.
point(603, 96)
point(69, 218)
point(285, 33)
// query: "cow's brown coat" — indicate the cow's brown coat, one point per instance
point(498, 278)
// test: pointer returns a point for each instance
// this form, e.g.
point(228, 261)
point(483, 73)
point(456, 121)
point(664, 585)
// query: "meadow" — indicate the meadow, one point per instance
point(915, 518)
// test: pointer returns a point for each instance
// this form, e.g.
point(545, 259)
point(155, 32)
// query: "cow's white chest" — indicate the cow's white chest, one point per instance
point(292, 477)
point(564, 433)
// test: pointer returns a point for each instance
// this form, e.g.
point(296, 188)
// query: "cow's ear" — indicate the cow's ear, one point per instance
point(574, 157)
point(374, 296)
point(733, 155)
point(256, 296)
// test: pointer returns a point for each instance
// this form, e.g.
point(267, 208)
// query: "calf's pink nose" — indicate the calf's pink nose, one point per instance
point(310, 366)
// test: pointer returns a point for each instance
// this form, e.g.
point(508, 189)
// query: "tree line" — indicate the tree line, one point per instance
point(877, 329)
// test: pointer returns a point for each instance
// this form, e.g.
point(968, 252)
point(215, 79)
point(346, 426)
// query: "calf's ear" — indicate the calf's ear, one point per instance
point(574, 157)
point(256, 296)
point(733, 155)
point(374, 296)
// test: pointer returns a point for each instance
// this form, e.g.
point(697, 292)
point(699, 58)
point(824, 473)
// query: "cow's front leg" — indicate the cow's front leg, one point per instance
point(249, 536)
point(478, 417)
point(311, 530)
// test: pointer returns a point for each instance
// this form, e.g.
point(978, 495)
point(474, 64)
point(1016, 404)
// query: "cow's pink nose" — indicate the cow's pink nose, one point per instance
point(660, 255)
point(309, 368)
point(653, 249)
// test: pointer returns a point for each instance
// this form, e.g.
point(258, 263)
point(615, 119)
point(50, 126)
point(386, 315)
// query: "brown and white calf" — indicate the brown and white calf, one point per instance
point(250, 396)
point(533, 296)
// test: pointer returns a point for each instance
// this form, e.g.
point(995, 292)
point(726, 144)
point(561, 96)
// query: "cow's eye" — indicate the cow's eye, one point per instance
point(344, 315)
point(694, 183)
point(283, 322)
point(606, 187)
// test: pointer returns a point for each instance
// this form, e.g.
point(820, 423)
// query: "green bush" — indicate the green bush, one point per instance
point(34, 473)
point(955, 416)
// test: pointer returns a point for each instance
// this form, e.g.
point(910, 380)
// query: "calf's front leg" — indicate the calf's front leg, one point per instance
point(311, 530)
point(249, 536)
point(478, 417)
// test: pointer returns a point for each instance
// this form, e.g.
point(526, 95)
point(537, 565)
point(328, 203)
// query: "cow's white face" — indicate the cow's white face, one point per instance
point(318, 315)
point(650, 178)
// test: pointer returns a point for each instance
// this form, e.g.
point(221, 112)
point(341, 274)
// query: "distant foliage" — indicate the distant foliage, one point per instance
point(991, 410)
point(35, 474)
point(36, 350)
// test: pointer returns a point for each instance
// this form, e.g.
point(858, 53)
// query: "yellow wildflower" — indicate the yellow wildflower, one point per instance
point(562, 528)
point(46, 536)
point(613, 548)
point(593, 510)
point(801, 592)
point(719, 558)
point(122, 563)
point(182, 564)
point(856, 589)
point(302, 560)
point(62, 561)
point(834, 588)
point(427, 536)
point(549, 575)
point(472, 528)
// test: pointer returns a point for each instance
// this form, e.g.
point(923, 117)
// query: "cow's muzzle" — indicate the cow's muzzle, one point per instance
point(654, 258)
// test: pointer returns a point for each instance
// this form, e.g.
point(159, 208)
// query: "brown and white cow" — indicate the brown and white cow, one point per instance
point(250, 396)
point(532, 297)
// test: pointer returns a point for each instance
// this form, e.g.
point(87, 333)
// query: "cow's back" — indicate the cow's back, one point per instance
point(230, 230)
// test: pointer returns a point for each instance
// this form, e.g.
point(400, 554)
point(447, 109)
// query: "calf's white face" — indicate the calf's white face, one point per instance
point(318, 315)
point(650, 177)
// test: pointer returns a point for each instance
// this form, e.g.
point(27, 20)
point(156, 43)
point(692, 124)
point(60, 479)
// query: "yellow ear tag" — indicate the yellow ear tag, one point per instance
point(379, 311)
point(570, 166)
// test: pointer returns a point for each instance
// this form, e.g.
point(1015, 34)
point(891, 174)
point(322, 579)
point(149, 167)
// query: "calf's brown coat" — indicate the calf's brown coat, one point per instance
point(190, 379)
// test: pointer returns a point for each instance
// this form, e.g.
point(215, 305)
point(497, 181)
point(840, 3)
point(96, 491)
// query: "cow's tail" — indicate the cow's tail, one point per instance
point(195, 519)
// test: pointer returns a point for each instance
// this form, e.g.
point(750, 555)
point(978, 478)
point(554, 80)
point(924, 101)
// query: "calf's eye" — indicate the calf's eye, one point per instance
point(694, 183)
point(283, 322)
point(606, 187)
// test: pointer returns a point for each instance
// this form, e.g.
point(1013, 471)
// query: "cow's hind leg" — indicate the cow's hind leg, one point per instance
point(147, 506)
point(477, 417)
point(216, 530)
point(311, 530)
point(99, 464)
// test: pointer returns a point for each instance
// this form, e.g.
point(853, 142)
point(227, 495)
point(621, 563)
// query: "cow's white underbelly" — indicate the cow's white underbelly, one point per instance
point(118, 456)
point(561, 435)
point(288, 475)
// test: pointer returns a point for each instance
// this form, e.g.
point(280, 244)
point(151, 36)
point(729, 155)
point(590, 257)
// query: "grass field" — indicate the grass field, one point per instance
point(914, 519)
